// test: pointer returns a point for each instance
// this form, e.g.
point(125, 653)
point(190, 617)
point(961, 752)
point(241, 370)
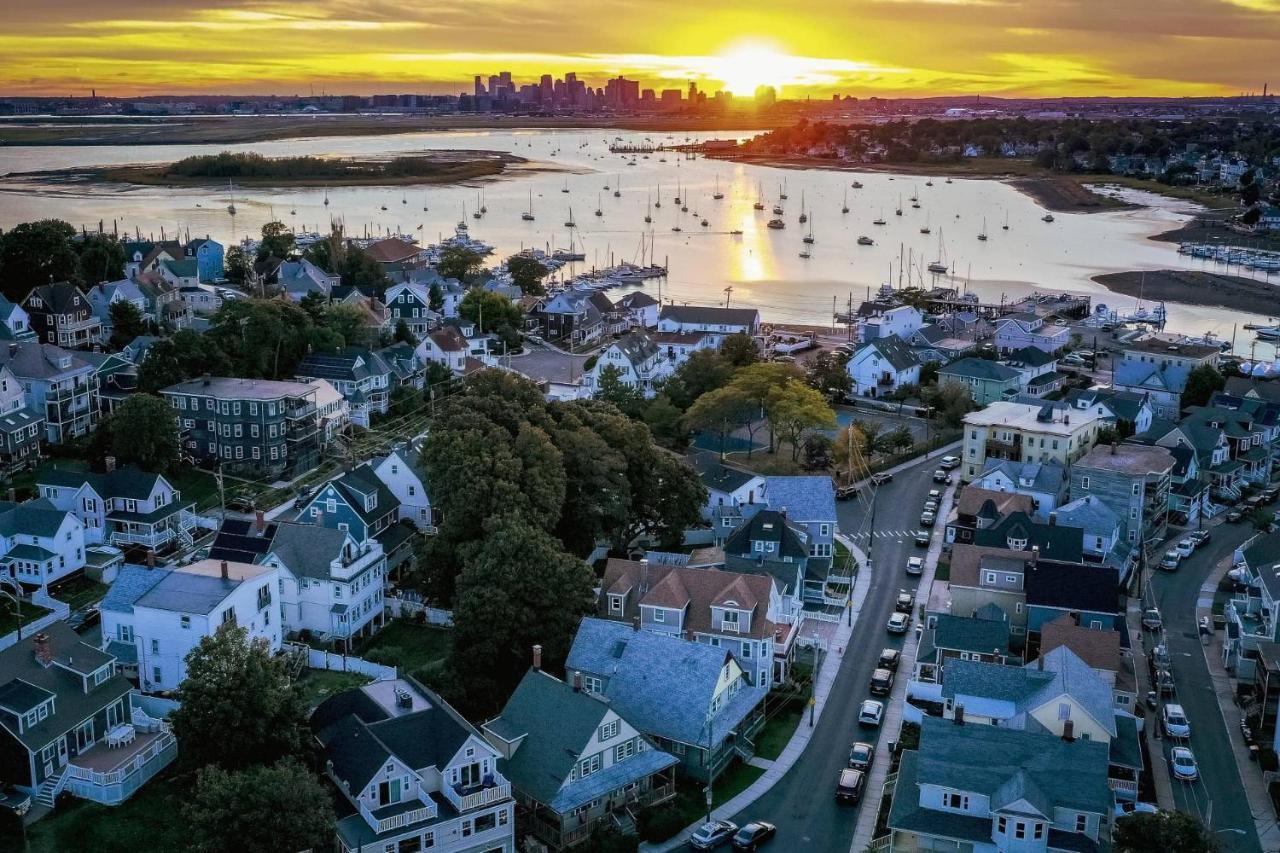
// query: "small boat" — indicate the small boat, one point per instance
point(404, 200)
point(1005, 227)
point(879, 220)
point(804, 253)
point(684, 208)
point(924, 229)
point(527, 216)
point(759, 205)
point(648, 216)
point(1268, 333)
point(476, 215)
point(916, 205)
point(704, 223)
point(782, 191)
point(461, 227)
point(569, 223)
point(777, 224)
point(599, 210)
point(777, 210)
point(948, 180)
point(857, 185)
point(898, 212)
point(565, 188)
point(231, 207)
point(384, 207)
point(844, 206)
point(717, 195)
point(293, 212)
point(326, 199)
point(1048, 217)
point(940, 265)
point(737, 232)
point(928, 183)
point(804, 217)
point(982, 235)
point(866, 241)
point(676, 228)
point(618, 192)
point(657, 202)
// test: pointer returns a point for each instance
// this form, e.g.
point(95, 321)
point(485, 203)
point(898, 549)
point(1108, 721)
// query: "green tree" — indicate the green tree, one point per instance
point(458, 262)
point(796, 409)
point(663, 419)
point(126, 323)
point(756, 383)
point(896, 441)
point(950, 402)
point(527, 273)
point(611, 389)
point(263, 338)
point(489, 311)
point(1161, 832)
point(348, 323)
point(176, 359)
point(358, 268)
point(403, 335)
point(827, 375)
point(739, 350)
point(101, 258)
point(435, 298)
point(701, 372)
point(259, 810)
point(236, 266)
point(35, 253)
point(929, 373)
point(720, 412)
point(1202, 383)
point(817, 452)
point(403, 400)
point(517, 588)
point(277, 241)
point(239, 707)
point(144, 432)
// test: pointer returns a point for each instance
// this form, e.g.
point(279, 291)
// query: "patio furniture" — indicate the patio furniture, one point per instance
point(121, 735)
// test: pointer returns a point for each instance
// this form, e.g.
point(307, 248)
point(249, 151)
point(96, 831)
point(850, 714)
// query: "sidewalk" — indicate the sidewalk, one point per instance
point(1255, 789)
point(838, 642)
point(1159, 768)
point(869, 808)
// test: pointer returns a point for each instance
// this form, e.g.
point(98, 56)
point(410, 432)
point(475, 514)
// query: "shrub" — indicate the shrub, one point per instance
point(659, 824)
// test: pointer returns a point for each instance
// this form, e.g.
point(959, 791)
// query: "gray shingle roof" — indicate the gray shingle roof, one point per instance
point(892, 349)
point(1089, 514)
point(1074, 677)
point(971, 634)
point(768, 526)
point(131, 583)
point(307, 549)
point(980, 368)
point(701, 315)
point(127, 482)
point(1036, 476)
point(804, 498)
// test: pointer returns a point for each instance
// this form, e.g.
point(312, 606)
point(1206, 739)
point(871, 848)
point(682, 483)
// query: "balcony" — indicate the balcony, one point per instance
point(110, 776)
point(304, 411)
point(475, 797)
point(398, 815)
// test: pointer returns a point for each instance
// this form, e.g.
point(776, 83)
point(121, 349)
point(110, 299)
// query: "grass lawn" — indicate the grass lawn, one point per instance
point(195, 485)
point(691, 798)
point(319, 684)
point(80, 592)
point(150, 820)
point(24, 482)
point(777, 732)
point(9, 622)
point(407, 645)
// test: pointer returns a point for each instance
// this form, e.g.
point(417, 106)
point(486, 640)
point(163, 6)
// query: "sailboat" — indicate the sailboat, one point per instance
point(844, 206)
point(462, 223)
point(676, 200)
point(565, 188)
point(808, 238)
point(404, 199)
point(527, 216)
point(804, 217)
point(940, 265)
point(1006, 221)
point(657, 201)
point(231, 207)
point(483, 209)
point(648, 214)
point(569, 223)
point(599, 209)
point(879, 220)
point(924, 229)
point(898, 212)
point(982, 235)
point(857, 185)
point(618, 192)
point(717, 195)
point(1048, 217)
point(759, 205)
point(326, 199)
point(782, 191)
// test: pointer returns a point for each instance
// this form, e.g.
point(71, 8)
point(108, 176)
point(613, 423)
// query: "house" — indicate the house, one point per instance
point(185, 604)
point(1159, 367)
point(254, 425)
point(301, 278)
point(936, 343)
point(636, 361)
point(987, 381)
point(574, 317)
point(1016, 331)
point(201, 300)
point(396, 254)
point(810, 502)
point(359, 503)
point(1084, 591)
point(102, 296)
point(410, 303)
point(1045, 483)
point(1254, 612)
point(900, 321)
point(1100, 650)
point(692, 699)
point(1038, 369)
point(404, 474)
point(1133, 480)
point(116, 378)
point(182, 274)
point(40, 545)
point(68, 723)
point(1129, 412)
point(882, 366)
point(15, 323)
point(446, 347)
point(1018, 532)
point(767, 543)
point(331, 410)
point(360, 374)
point(1024, 432)
point(136, 350)
point(978, 509)
point(1104, 541)
point(209, 257)
point(743, 613)
point(56, 383)
point(20, 433)
point(574, 761)
point(60, 314)
point(640, 308)
point(984, 575)
point(974, 787)
point(125, 507)
point(718, 323)
point(947, 637)
point(726, 487)
point(418, 775)
point(330, 584)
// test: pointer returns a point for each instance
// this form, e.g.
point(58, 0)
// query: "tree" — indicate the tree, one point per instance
point(144, 432)
point(489, 311)
point(896, 441)
point(236, 266)
point(264, 338)
point(185, 355)
point(1202, 383)
point(1161, 832)
point(817, 452)
point(403, 335)
point(663, 419)
point(259, 810)
point(458, 262)
point(403, 400)
point(435, 298)
point(702, 371)
point(517, 588)
point(720, 412)
point(929, 373)
point(527, 273)
point(358, 268)
point(827, 374)
point(239, 707)
point(739, 350)
point(794, 410)
point(950, 402)
point(626, 396)
point(348, 322)
point(101, 258)
point(126, 323)
point(756, 383)
point(35, 253)
point(277, 241)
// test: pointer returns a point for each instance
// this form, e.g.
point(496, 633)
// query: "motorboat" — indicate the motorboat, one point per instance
point(866, 241)
point(777, 224)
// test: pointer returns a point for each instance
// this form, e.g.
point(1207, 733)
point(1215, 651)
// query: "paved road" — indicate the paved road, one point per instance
point(802, 803)
point(1218, 796)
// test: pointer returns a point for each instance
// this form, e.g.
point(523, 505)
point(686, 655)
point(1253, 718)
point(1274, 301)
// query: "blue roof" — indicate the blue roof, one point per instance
point(1074, 677)
point(595, 786)
point(130, 584)
point(805, 498)
point(662, 685)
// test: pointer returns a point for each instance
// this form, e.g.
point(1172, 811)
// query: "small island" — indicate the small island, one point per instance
point(247, 169)
point(1195, 287)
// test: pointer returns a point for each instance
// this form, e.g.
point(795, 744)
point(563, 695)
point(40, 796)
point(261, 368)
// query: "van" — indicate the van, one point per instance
point(849, 786)
point(881, 682)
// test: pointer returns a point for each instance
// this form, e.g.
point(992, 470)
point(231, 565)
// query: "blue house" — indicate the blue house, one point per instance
point(1089, 593)
point(208, 255)
point(809, 502)
point(360, 504)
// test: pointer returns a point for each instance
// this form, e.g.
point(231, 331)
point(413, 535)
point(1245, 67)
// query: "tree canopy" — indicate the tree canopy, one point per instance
point(527, 273)
point(1202, 383)
point(1161, 832)
point(50, 250)
point(458, 262)
point(127, 323)
point(144, 432)
point(259, 810)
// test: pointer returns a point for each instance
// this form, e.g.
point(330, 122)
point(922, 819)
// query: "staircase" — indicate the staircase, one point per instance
point(49, 790)
point(625, 821)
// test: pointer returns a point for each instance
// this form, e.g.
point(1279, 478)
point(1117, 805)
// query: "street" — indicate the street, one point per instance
point(802, 804)
point(1218, 797)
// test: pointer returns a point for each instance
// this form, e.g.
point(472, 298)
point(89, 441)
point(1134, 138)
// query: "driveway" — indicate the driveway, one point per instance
point(543, 364)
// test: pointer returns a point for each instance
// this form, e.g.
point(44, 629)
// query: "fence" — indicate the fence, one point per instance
point(404, 607)
point(319, 659)
point(29, 629)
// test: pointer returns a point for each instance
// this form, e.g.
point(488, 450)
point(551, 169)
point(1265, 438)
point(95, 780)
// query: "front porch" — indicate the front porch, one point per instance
point(164, 528)
point(110, 775)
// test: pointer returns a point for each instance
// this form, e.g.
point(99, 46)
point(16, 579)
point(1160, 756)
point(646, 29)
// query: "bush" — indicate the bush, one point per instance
point(659, 824)
point(1268, 760)
point(590, 363)
point(388, 655)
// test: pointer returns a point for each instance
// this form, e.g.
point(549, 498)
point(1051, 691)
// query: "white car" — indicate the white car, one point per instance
point(1175, 722)
point(915, 565)
point(949, 462)
point(1184, 764)
point(1185, 547)
point(871, 713)
point(1124, 808)
point(899, 623)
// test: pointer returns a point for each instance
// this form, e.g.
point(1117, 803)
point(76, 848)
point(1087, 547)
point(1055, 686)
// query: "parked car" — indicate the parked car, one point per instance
point(931, 505)
point(1269, 494)
point(846, 493)
point(915, 565)
point(935, 495)
point(1165, 683)
point(922, 539)
point(241, 503)
point(889, 659)
point(711, 835)
point(1233, 515)
point(1160, 656)
point(1184, 764)
point(899, 623)
point(941, 476)
point(1171, 560)
point(881, 478)
point(1199, 537)
point(1073, 360)
point(905, 602)
point(753, 834)
point(861, 754)
point(1174, 721)
point(849, 786)
point(881, 682)
point(1185, 547)
point(949, 462)
point(1151, 619)
point(870, 714)
point(14, 800)
point(304, 497)
point(927, 519)
point(1125, 808)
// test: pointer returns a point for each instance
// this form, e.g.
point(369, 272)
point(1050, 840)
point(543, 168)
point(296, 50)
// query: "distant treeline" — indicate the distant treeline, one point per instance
point(249, 166)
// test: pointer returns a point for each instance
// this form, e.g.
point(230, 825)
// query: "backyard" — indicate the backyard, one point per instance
point(149, 820)
point(79, 592)
point(9, 619)
point(409, 646)
point(318, 685)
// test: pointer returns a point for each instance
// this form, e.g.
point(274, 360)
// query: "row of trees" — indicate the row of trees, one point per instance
point(50, 250)
point(526, 489)
point(230, 165)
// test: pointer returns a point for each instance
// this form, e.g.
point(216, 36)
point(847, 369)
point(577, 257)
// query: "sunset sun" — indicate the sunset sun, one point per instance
point(745, 67)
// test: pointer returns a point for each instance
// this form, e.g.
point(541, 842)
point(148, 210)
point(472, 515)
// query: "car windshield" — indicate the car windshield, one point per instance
point(706, 830)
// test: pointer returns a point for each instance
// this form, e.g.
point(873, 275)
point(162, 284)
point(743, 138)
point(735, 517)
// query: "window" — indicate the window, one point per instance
point(186, 622)
point(1064, 711)
point(624, 750)
point(1037, 830)
point(124, 633)
point(587, 766)
point(659, 615)
point(1084, 482)
point(592, 684)
point(609, 730)
point(155, 647)
point(486, 822)
point(615, 604)
point(155, 675)
point(953, 800)
point(1019, 829)
point(1082, 823)
point(1137, 488)
point(229, 617)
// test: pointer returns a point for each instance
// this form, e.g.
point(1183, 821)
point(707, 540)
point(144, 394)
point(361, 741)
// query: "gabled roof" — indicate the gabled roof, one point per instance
point(971, 634)
point(307, 549)
point(129, 482)
point(1073, 586)
point(131, 583)
point(638, 299)
point(1056, 541)
point(991, 504)
point(967, 562)
point(705, 315)
point(803, 498)
point(353, 485)
point(1099, 649)
point(58, 298)
point(31, 360)
point(980, 368)
point(1089, 514)
point(1073, 677)
point(721, 478)
point(350, 364)
point(892, 349)
point(693, 590)
point(392, 250)
point(1047, 477)
point(636, 347)
point(1031, 357)
point(768, 526)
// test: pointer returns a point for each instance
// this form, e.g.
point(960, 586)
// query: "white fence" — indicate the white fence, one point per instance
point(401, 607)
point(30, 628)
point(318, 659)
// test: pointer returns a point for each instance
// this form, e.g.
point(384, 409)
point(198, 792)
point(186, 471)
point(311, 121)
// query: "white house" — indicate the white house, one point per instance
point(641, 309)
point(40, 544)
point(881, 366)
point(1016, 331)
point(901, 321)
point(401, 472)
point(718, 322)
point(445, 346)
point(638, 361)
point(122, 507)
point(1045, 483)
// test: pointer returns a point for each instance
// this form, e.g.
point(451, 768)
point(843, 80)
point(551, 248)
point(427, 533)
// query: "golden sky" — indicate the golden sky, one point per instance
point(858, 47)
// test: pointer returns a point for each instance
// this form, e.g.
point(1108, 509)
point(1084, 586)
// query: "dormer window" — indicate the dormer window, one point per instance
point(659, 615)
point(1016, 544)
point(615, 604)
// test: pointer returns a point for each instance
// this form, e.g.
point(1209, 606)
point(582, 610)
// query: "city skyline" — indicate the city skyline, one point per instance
point(871, 47)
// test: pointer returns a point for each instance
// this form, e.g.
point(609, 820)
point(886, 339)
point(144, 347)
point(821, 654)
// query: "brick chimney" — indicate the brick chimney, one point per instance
point(537, 656)
point(151, 559)
point(1068, 731)
point(1040, 663)
point(960, 715)
point(109, 463)
point(1053, 519)
point(1035, 555)
point(259, 520)
point(635, 623)
point(226, 572)
point(577, 681)
point(44, 652)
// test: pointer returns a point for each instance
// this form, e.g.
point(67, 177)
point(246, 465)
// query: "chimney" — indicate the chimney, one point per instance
point(577, 681)
point(109, 463)
point(1114, 445)
point(44, 652)
point(537, 656)
point(206, 381)
point(644, 576)
point(151, 559)
point(226, 573)
point(13, 349)
point(1053, 519)
point(259, 520)
point(960, 715)
point(13, 495)
point(1040, 662)
point(635, 623)
point(784, 512)
point(1068, 731)
point(1035, 555)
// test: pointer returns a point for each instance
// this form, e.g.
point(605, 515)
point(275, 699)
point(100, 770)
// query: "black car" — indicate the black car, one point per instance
point(753, 834)
point(881, 682)
point(849, 785)
point(846, 493)
point(861, 754)
point(889, 659)
point(904, 602)
point(941, 476)
point(922, 539)
point(241, 503)
point(881, 478)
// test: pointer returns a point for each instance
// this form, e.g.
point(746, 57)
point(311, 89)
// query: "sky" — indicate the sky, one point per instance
point(816, 48)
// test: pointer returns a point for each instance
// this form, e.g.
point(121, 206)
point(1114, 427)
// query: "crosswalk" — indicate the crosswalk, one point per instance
point(886, 534)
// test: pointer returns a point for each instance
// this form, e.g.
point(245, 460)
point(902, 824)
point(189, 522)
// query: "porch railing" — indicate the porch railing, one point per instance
point(485, 796)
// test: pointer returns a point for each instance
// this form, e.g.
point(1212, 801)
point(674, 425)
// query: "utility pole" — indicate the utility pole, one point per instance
point(728, 291)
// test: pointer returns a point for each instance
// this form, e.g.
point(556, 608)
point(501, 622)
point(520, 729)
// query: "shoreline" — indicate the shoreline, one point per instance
point(1195, 287)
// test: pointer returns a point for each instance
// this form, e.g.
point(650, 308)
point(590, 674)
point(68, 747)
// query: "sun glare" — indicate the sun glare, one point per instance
point(744, 68)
